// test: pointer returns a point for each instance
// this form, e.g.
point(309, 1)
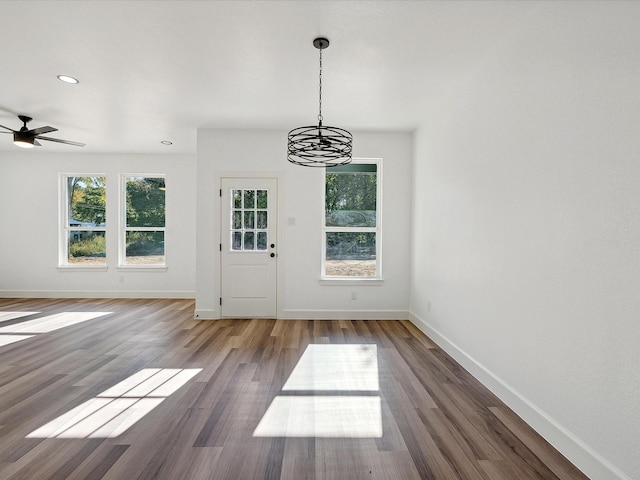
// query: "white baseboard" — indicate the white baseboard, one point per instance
point(322, 314)
point(581, 455)
point(319, 314)
point(97, 294)
point(205, 314)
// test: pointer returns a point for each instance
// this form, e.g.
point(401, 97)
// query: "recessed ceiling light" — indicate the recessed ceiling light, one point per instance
point(68, 79)
point(166, 142)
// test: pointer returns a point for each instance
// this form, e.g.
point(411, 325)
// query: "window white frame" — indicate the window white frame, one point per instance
point(124, 229)
point(65, 229)
point(330, 279)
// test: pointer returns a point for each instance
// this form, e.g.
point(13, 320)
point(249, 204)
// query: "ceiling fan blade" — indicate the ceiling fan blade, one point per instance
point(10, 129)
point(67, 142)
point(41, 130)
point(36, 143)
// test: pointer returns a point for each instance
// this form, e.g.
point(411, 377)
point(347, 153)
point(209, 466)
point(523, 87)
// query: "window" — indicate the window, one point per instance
point(142, 240)
point(83, 221)
point(351, 246)
point(249, 220)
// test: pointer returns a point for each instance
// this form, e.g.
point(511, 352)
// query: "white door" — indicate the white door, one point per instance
point(248, 247)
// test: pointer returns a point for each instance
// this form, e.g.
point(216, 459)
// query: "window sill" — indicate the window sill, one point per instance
point(352, 281)
point(142, 268)
point(82, 268)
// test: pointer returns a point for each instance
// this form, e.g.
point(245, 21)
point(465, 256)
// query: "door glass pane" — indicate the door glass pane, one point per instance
point(249, 220)
point(237, 198)
point(237, 220)
point(262, 199)
point(262, 219)
point(236, 240)
point(249, 199)
point(249, 241)
point(262, 241)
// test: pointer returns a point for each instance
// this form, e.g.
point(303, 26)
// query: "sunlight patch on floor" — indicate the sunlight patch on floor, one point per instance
point(4, 316)
point(336, 367)
point(115, 410)
point(52, 322)
point(8, 339)
point(319, 416)
point(339, 369)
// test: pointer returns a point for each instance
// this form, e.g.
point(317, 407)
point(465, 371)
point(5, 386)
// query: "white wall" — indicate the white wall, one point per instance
point(526, 228)
point(300, 294)
point(29, 183)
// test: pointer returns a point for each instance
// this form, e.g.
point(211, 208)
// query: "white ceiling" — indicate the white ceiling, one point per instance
point(160, 70)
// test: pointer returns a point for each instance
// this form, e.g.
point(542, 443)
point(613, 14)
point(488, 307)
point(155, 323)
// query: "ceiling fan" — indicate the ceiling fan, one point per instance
point(29, 138)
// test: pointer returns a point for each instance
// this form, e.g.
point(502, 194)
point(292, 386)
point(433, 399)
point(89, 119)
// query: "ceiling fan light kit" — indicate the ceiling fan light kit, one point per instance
point(23, 137)
point(319, 146)
point(26, 138)
point(22, 141)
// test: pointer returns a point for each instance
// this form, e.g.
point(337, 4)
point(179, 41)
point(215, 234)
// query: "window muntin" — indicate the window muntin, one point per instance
point(352, 221)
point(83, 241)
point(142, 242)
point(249, 220)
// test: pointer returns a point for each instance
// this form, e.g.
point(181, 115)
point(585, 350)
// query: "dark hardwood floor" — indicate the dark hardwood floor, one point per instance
point(399, 409)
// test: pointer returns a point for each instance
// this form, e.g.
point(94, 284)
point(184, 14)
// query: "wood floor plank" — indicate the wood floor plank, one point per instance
point(98, 463)
point(437, 421)
point(537, 445)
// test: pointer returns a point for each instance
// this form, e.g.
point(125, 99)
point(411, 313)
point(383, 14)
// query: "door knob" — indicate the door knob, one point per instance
point(272, 255)
point(273, 245)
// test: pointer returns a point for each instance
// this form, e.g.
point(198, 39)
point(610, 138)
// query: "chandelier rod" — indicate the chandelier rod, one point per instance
point(320, 91)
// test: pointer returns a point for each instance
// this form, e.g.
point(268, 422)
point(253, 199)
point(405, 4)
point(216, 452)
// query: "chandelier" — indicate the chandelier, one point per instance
point(319, 146)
